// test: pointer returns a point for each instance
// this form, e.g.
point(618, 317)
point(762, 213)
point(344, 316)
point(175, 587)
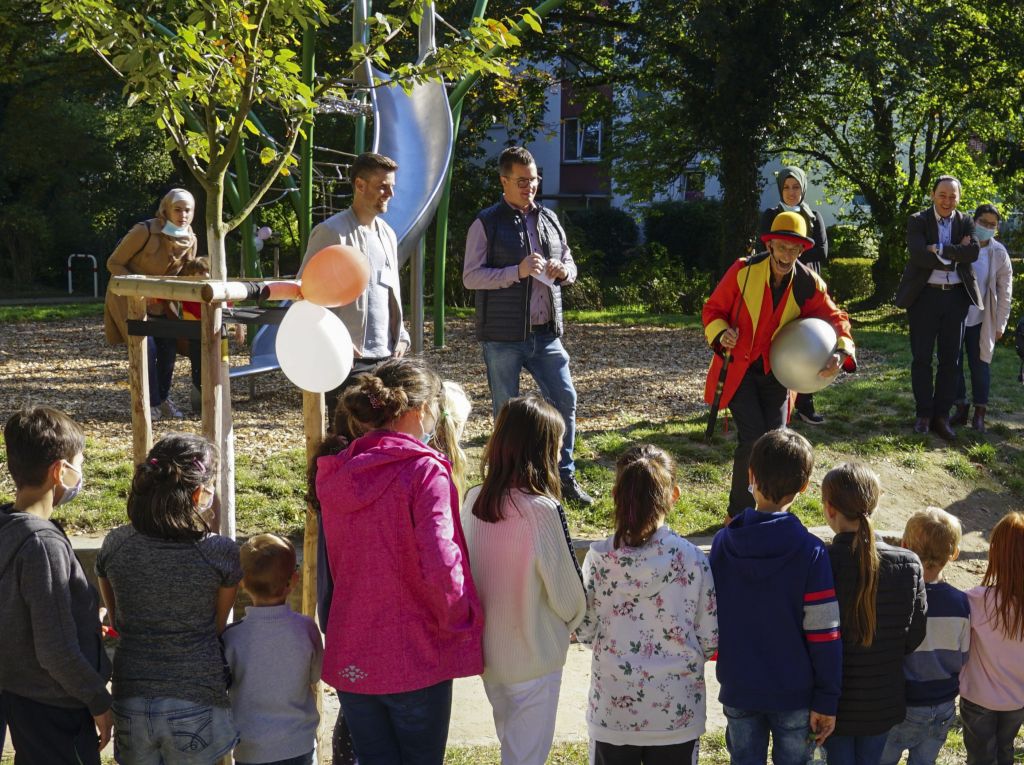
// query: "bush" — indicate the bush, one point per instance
point(583, 294)
point(600, 238)
point(849, 279)
point(661, 284)
point(690, 232)
point(846, 241)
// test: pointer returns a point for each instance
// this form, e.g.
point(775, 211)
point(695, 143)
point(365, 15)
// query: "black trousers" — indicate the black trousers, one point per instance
point(46, 735)
point(759, 405)
point(936, 331)
point(671, 754)
point(359, 366)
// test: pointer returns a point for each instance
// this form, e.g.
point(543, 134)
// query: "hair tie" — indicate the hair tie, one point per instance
point(199, 464)
point(375, 401)
point(153, 461)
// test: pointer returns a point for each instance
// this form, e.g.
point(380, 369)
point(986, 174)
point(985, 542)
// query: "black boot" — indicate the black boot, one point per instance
point(959, 418)
point(978, 423)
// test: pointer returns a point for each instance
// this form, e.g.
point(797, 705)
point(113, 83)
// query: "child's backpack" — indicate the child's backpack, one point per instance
point(1018, 341)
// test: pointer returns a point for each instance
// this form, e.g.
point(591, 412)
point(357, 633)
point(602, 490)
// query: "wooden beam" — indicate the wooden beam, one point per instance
point(195, 290)
point(138, 385)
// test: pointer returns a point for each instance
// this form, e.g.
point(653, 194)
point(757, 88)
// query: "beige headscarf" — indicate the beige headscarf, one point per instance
point(179, 246)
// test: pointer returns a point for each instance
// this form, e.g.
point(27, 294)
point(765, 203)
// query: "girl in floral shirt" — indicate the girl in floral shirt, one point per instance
point(652, 620)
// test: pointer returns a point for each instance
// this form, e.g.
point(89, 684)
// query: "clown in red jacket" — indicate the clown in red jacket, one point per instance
point(758, 295)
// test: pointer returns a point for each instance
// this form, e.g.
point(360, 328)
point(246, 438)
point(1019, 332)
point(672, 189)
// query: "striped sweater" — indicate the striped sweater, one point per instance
point(778, 618)
point(933, 670)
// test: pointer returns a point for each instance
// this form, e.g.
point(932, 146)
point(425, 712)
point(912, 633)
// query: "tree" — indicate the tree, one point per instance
point(204, 66)
point(927, 84)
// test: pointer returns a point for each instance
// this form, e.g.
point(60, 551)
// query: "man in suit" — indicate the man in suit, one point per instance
point(937, 288)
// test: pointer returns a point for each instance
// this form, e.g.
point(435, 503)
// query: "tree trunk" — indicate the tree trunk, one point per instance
point(892, 257)
point(740, 173)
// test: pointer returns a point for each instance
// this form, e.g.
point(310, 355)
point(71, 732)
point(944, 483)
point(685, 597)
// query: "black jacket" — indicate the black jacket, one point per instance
point(923, 230)
point(873, 697)
point(815, 230)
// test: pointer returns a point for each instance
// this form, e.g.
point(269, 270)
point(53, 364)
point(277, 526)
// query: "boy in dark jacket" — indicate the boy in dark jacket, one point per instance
point(53, 669)
point(780, 655)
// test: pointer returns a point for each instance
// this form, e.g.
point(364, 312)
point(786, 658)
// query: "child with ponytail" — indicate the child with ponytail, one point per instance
point(169, 584)
point(992, 681)
point(650, 608)
point(527, 573)
point(882, 603)
point(405, 618)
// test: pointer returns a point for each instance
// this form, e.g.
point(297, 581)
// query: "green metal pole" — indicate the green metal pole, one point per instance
point(360, 10)
point(250, 258)
point(441, 234)
point(304, 210)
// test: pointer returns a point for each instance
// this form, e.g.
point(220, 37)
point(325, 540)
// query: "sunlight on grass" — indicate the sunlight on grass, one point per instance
point(16, 314)
point(958, 466)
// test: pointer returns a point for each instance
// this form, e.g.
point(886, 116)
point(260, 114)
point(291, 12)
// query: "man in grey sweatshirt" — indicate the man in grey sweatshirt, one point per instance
point(53, 669)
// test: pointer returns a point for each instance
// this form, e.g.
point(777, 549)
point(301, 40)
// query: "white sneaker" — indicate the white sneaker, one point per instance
point(154, 413)
point(168, 409)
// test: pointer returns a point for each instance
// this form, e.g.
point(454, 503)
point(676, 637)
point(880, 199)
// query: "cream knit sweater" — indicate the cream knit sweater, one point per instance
point(529, 586)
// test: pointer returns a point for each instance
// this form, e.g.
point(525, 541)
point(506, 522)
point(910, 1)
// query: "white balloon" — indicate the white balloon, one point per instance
point(313, 347)
point(799, 351)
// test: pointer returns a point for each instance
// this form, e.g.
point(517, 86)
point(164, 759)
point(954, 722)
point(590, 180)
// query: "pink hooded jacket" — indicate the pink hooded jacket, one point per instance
point(405, 613)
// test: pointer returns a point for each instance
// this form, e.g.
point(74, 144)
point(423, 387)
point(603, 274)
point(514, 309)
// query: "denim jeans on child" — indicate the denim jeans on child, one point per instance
point(855, 750)
point(923, 732)
point(543, 357)
point(410, 728)
point(161, 353)
point(988, 734)
point(166, 731)
point(746, 736)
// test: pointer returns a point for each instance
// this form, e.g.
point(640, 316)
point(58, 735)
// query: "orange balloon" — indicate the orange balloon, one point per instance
point(335, 276)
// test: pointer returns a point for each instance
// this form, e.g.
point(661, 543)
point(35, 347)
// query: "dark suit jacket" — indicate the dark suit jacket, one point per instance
point(923, 230)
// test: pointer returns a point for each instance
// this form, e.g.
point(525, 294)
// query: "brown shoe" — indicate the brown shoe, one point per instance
point(940, 427)
point(959, 418)
point(921, 424)
point(978, 423)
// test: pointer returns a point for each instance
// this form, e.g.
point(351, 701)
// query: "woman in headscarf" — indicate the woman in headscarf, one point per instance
point(792, 182)
point(155, 247)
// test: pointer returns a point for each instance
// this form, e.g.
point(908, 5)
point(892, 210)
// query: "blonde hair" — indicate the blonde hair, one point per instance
point(451, 421)
point(934, 535)
point(268, 563)
point(853, 490)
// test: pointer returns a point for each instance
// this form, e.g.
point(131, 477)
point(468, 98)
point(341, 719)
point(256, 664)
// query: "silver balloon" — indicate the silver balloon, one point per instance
point(800, 350)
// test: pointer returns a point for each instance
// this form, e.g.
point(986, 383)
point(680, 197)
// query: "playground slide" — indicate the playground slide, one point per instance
point(415, 130)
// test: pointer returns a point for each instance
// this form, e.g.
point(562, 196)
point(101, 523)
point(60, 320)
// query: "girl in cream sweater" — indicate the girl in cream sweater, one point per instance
point(526, 575)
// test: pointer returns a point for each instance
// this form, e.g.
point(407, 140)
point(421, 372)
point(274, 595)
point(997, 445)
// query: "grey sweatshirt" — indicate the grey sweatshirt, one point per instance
point(52, 647)
point(275, 657)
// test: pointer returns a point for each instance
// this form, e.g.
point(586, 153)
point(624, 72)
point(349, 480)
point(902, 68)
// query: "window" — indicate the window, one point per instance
point(693, 185)
point(581, 141)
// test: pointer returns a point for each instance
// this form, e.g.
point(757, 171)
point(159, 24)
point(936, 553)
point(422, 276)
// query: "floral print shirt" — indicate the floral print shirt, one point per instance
point(653, 621)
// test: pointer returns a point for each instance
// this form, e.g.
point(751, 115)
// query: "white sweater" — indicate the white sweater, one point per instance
point(653, 622)
point(528, 584)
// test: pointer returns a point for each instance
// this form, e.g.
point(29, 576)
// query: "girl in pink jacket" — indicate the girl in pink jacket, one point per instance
point(405, 616)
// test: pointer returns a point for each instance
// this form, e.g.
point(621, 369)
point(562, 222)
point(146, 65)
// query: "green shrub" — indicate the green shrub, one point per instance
point(659, 282)
point(847, 241)
point(602, 236)
point(691, 232)
point(584, 294)
point(849, 279)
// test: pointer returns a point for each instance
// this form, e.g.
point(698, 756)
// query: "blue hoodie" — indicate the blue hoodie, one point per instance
point(778, 618)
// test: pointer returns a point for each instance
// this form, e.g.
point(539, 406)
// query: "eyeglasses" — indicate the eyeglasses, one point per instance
point(525, 183)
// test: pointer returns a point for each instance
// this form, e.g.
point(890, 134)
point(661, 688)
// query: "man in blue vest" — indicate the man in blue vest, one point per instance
point(517, 260)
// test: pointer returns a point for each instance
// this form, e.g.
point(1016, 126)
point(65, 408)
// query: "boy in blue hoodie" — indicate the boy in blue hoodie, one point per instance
point(780, 654)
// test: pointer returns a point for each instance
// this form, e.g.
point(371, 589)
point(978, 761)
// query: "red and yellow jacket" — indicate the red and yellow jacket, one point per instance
point(757, 320)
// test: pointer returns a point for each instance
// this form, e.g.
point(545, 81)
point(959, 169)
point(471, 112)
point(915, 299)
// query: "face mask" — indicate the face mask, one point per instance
point(751, 488)
point(177, 231)
point(70, 492)
point(790, 208)
point(983, 234)
point(205, 501)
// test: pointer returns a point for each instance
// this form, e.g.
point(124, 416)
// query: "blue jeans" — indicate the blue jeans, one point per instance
point(855, 750)
point(923, 732)
point(167, 731)
point(981, 372)
point(303, 759)
point(746, 736)
point(408, 728)
point(988, 734)
point(161, 353)
point(543, 357)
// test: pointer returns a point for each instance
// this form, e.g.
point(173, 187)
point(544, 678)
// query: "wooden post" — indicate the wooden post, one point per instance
point(313, 426)
point(213, 423)
point(138, 384)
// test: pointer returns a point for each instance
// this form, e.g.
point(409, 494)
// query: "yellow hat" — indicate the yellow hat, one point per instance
point(790, 227)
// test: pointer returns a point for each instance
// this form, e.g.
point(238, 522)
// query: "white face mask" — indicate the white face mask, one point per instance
point(70, 492)
point(176, 231)
point(790, 208)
